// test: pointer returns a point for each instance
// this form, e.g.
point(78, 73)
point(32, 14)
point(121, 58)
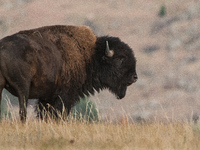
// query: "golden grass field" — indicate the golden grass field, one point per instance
point(167, 89)
point(39, 135)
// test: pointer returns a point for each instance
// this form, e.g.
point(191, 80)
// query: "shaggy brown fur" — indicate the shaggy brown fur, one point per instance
point(79, 42)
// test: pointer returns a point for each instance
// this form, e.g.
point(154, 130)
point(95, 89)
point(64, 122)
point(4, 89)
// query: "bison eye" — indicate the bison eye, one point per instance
point(119, 61)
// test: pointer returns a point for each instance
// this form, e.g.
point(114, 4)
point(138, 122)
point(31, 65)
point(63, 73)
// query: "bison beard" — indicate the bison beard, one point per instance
point(59, 64)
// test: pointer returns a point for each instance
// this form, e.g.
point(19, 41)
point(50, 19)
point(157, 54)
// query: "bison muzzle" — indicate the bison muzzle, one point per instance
point(59, 64)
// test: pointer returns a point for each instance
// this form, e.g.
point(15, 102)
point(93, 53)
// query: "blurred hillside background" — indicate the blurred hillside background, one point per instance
point(165, 37)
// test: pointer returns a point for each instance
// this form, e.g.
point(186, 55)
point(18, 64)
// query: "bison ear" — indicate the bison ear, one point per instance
point(108, 52)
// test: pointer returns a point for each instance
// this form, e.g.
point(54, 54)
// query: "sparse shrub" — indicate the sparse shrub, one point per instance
point(151, 48)
point(196, 130)
point(85, 111)
point(4, 112)
point(162, 11)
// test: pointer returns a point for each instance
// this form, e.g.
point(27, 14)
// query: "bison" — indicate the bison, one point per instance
point(59, 64)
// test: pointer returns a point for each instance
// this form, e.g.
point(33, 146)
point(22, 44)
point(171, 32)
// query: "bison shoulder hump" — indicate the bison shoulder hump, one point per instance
point(84, 35)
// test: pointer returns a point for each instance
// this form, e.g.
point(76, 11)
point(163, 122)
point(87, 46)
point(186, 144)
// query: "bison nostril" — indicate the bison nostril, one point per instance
point(132, 80)
point(135, 77)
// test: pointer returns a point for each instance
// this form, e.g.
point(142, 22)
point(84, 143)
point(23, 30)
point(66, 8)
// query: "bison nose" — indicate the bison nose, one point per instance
point(135, 78)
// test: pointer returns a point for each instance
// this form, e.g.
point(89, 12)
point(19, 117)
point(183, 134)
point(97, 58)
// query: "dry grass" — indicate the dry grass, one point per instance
point(76, 135)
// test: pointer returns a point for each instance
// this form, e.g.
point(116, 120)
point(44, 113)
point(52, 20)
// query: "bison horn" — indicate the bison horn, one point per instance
point(109, 52)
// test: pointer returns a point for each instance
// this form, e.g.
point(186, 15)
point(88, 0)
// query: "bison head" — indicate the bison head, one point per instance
point(117, 67)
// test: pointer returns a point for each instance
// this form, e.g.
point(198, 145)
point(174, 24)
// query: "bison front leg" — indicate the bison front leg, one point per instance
point(56, 108)
point(63, 106)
